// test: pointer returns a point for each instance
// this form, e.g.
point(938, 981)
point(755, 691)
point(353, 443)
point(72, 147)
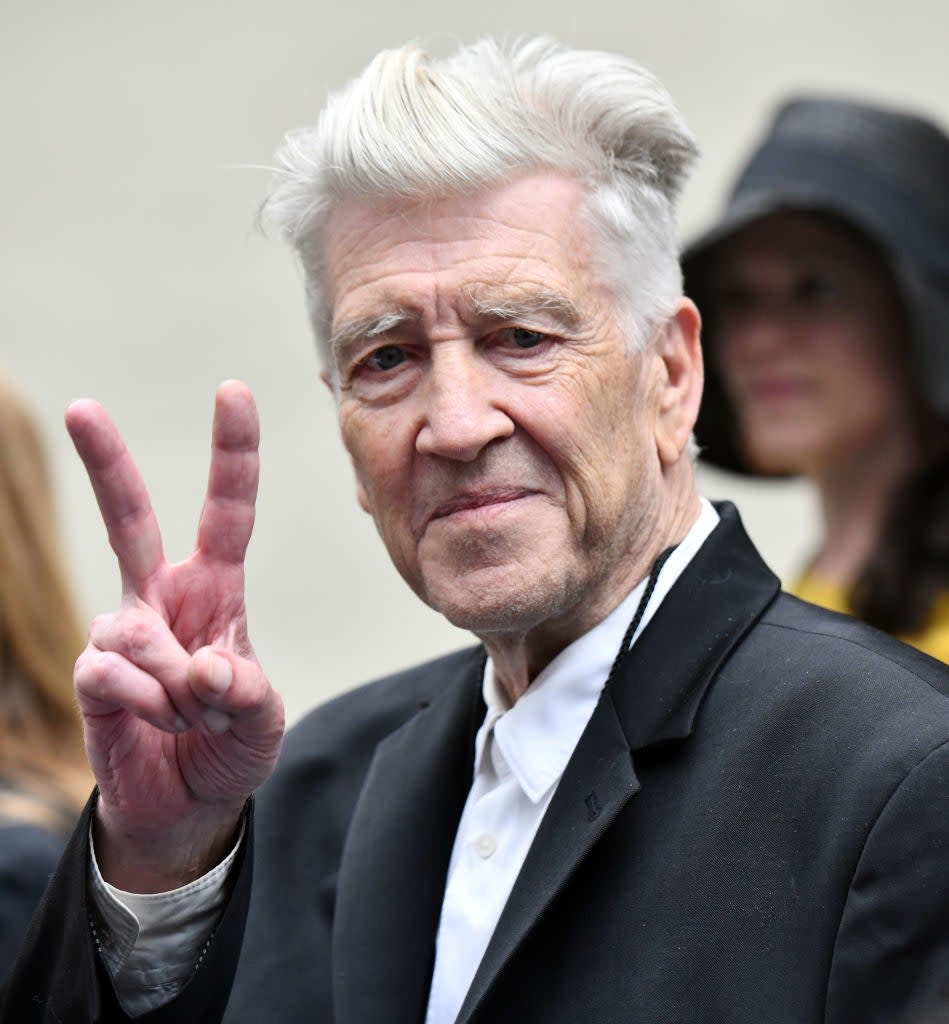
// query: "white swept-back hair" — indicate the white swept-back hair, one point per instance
point(412, 127)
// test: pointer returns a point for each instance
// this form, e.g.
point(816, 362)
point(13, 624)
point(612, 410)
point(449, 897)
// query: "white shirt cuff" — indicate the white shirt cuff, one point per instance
point(152, 943)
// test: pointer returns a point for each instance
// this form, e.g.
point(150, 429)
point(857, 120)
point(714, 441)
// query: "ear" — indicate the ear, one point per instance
point(679, 348)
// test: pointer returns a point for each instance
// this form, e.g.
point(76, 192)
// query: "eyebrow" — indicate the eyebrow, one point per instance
point(502, 305)
point(353, 331)
point(484, 304)
point(834, 252)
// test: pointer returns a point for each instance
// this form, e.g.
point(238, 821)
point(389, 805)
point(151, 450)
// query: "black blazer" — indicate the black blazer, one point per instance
point(754, 828)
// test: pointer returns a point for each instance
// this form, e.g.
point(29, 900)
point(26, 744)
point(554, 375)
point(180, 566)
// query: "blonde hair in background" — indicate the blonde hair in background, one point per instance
point(41, 752)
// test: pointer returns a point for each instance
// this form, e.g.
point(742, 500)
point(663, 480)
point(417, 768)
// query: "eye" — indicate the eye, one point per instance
point(732, 298)
point(523, 338)
point(520, 338)
point(817, 288)
point(386, 358)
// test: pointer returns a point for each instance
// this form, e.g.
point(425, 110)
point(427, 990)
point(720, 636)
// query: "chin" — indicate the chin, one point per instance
point(481, 615)
point(771, 455)
point(484, 605)
point(771, 464)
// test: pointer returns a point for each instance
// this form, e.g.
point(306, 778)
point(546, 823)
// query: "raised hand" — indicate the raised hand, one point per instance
point(181, 724)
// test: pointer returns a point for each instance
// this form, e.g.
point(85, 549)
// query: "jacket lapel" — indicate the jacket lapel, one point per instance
point(395, 858)
point(655, 698)
point(723, 591)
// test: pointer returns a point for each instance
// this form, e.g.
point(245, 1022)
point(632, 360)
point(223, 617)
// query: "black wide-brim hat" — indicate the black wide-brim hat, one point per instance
point(883, 172)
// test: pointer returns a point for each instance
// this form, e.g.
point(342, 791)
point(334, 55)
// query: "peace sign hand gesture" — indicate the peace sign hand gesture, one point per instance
point(181, 725)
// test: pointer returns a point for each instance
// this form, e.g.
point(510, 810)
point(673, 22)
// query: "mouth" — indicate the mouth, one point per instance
point(489, 498)
point(776, 389)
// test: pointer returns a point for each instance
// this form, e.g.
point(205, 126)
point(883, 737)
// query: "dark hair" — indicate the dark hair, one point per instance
point(883, 172)
point(909, 567)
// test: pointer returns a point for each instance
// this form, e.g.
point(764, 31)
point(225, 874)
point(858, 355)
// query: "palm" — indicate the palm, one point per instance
point(165, 746)
point(201, 605)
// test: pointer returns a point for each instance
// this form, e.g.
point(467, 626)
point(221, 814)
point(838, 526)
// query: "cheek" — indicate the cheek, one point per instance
point(732, 355)
point(858, 365)
point(573, 433)
point(600, 446)
point(727, 356)
point(379, 460)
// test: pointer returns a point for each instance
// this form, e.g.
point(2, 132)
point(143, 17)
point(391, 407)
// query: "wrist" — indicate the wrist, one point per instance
point(158, 859)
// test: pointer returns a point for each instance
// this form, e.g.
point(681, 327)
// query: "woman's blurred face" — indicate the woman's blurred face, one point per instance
point(810, 344)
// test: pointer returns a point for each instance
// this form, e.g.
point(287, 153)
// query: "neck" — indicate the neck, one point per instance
point(855, 494)
point(520, 657)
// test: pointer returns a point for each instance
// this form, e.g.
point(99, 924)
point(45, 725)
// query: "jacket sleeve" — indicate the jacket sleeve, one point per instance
point(891, 958)
point(59, 975)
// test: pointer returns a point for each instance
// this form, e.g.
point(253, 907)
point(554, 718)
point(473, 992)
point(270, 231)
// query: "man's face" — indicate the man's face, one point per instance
point(503, 436)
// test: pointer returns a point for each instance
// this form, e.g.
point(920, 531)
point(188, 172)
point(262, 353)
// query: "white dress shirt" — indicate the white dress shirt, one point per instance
point(521, 752)
point(150, 944)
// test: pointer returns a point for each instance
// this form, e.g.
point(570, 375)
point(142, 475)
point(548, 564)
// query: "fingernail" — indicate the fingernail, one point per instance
point(217, 722)
point(220, 673)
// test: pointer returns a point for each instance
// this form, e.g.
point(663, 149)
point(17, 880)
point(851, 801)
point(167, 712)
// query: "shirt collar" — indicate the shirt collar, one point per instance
point(537, 736)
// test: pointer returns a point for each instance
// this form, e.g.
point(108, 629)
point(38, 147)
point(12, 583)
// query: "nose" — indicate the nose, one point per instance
point(762, 330)
point(463, 413)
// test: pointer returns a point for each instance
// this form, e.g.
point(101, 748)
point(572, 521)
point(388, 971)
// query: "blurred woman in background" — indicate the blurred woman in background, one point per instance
point(825, 293)
point(43, 776)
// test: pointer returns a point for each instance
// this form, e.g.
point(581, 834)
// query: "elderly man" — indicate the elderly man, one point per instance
point(657, 790)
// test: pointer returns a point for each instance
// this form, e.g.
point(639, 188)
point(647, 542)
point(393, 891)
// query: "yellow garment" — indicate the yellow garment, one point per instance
point(933, 638)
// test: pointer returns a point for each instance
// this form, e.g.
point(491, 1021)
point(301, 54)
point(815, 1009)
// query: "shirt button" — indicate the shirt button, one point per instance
point(486, 845)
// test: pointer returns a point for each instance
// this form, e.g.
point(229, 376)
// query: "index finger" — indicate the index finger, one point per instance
point(227, 518)
point(120, 492)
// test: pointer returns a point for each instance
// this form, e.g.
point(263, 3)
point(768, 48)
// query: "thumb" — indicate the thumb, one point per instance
point(236, 694)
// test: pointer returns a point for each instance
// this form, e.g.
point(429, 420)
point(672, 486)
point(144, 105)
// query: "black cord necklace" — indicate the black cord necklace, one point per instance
point(640, 612)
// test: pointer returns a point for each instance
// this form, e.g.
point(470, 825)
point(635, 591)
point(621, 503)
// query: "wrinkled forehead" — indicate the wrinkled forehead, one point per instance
point(531, 194)
point(535, 225)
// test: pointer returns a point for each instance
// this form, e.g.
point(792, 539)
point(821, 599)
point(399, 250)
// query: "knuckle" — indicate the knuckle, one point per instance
point(97, 673)
point(140, 637)
point(128, 632)
point(99, 627)
point(87, 664)
point(133, 635)
point(81, 668)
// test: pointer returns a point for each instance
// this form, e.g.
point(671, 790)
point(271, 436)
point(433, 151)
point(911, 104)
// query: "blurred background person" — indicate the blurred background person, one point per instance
point(825, 293)
point(43, 776)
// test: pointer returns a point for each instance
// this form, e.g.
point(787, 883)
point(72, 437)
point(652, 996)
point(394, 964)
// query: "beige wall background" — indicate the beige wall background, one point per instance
point(136, 137)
